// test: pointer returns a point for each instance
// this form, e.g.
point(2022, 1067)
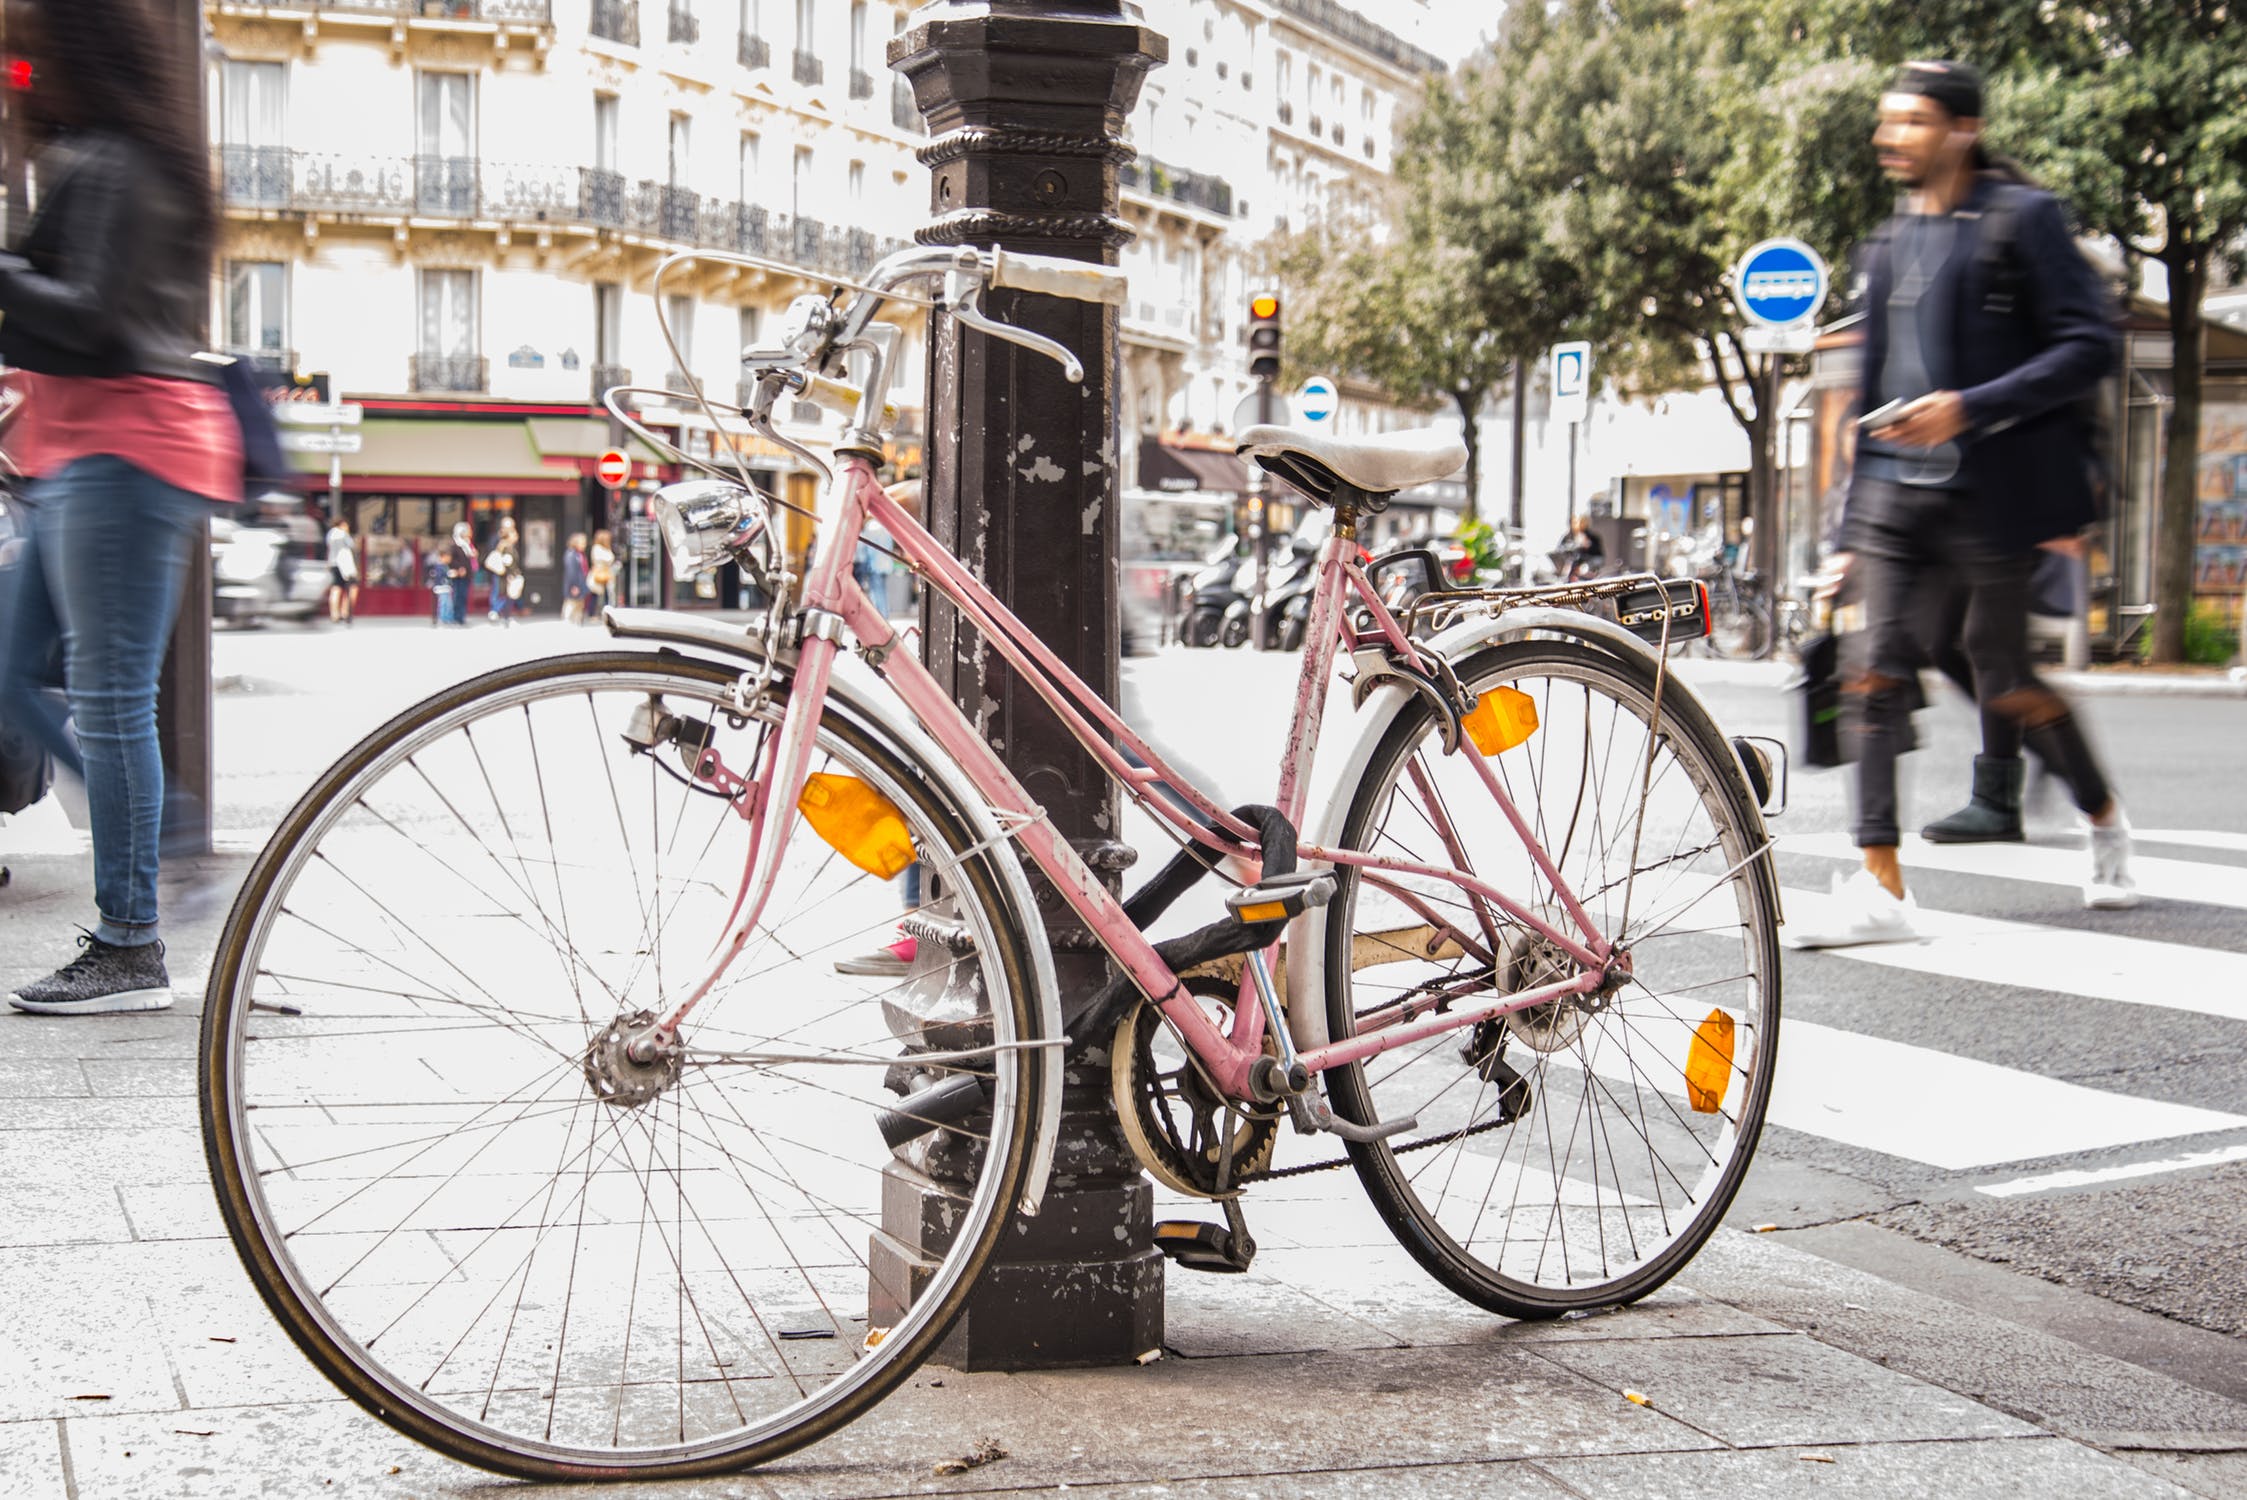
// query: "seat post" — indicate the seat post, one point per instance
point(1345, 513)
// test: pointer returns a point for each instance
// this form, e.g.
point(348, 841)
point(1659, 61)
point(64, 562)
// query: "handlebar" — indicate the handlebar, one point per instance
point(1084, 281)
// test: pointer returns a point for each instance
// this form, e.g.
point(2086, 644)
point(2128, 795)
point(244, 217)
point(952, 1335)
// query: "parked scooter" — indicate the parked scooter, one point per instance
point(1209, 593)
point(1288, 579)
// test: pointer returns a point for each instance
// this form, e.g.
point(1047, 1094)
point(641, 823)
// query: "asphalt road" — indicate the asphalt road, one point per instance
point(2028, 1041)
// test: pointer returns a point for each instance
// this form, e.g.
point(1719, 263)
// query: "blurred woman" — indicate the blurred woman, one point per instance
point(343, 573)
point(503, 560)
point(575, 588)
point(128, 433)
point(600, 574)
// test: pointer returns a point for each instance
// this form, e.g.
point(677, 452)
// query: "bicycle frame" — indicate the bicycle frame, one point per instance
point(833, 602)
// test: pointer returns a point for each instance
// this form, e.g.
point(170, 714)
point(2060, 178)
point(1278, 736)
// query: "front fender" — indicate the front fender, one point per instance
point(1388, 697)
point(666, 627)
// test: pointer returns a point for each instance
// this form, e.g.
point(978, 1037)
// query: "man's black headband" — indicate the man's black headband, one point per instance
point(1956, 86)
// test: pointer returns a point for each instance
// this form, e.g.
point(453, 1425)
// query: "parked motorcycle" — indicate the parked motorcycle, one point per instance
point(268, 564)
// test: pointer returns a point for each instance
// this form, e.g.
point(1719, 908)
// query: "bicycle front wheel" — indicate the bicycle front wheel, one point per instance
point(468, 1198)
point(1577, 1153)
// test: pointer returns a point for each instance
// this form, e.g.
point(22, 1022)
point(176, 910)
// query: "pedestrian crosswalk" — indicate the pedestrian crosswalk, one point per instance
point(1957, 1113)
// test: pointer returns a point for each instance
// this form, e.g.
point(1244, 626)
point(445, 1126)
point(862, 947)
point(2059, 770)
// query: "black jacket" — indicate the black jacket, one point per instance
point(2029, 341)
point(107, 290)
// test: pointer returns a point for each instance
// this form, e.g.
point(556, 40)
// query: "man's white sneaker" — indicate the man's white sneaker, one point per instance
point(1859, 911)
point(2110, 887)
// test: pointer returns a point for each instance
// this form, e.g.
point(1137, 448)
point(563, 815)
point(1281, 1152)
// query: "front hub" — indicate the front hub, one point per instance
point(633, 1060)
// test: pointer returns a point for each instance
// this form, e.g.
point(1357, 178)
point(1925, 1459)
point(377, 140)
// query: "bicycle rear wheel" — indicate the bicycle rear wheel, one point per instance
point(460, 1192)
point(1577, 1153)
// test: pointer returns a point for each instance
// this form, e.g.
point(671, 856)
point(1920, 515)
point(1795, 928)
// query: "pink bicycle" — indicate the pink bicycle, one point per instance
point(546, 1126)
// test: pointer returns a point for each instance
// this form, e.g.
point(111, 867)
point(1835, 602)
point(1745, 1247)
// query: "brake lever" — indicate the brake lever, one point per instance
point(965, 309)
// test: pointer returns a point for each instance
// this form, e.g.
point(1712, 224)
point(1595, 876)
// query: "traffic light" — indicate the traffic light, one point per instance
point(1264, 335)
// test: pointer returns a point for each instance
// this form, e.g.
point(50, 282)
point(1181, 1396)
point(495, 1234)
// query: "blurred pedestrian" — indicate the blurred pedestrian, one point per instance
point(600, 573)
point(503, 561)
point(1581, 553)
point(460, 572)
point(1973, 454)
point(129, 435)
point(343, 573)
point(574, 585)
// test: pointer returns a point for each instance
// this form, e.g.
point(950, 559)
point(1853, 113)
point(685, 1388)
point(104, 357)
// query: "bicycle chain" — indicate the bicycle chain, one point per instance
point(1270, 1174)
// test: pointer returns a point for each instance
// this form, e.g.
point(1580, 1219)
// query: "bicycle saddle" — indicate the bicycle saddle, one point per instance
point(1379, 466)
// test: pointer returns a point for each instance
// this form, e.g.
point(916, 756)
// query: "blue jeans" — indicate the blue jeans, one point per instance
point(103, 570)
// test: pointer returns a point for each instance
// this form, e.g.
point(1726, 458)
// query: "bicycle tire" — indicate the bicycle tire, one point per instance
point(1510, 1280)
point(974, 878)
point(1740, 628)
point(1203, 627)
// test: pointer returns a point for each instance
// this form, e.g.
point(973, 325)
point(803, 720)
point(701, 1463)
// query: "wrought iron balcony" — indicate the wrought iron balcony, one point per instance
point(1340, 137)
point(1195, 189)
point(861, 84)
point(496, 12)
point(681, 213)
point(275, 179)
point(809, 69)
point(617, 21)
point(607, 376)
point(685, 28)
point(756, 52)
point(448, 372)
point(904, 109)
point(1286, 113)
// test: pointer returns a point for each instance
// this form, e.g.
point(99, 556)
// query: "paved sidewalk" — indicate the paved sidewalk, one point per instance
point(137, 1361)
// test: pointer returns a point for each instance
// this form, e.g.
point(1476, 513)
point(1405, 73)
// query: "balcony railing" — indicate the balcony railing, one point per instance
point(277, 180)
point(1354, 29)
point(904, 109)
point(1341, 137)
point(1286, 113)
point(617, 21)
point(1194, 189)
point(685, 27)
point(756, 52)
point(607, 376)
point(861, 84)
point(448, 372)
point(809, 69)
point(498, 12)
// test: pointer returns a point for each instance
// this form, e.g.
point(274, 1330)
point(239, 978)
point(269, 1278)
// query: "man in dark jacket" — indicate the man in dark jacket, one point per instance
point(1972, 455)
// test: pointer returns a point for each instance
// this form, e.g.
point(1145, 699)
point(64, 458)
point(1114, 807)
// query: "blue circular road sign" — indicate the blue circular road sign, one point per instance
point(1779, 282)
point(1316, 399)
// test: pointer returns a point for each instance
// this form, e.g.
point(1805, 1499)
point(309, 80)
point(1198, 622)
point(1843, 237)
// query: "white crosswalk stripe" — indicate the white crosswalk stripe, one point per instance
point(2043, 864)
point(1961, 1114)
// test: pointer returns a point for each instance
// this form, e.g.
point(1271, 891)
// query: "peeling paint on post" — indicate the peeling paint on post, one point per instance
point(1026, 103)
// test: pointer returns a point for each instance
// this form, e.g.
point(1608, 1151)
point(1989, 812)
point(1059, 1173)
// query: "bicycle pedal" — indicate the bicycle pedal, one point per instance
point(1203, 1247)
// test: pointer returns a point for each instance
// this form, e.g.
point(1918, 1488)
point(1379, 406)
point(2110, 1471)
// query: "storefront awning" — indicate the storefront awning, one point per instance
point(584, 437)
point(1170, 470)
point(413, 457)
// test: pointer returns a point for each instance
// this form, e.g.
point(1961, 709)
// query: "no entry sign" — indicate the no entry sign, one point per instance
point(614, 469)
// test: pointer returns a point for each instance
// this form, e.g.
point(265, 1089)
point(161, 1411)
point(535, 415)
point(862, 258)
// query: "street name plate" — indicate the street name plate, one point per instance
point(322, 442)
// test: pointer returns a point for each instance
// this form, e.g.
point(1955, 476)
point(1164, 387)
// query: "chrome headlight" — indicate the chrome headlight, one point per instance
point(699, 517)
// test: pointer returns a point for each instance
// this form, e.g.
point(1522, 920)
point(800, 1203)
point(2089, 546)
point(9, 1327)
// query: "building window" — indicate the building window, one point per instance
point(857, 183)
point(445, 165)
point(799, 175)
point(678, 315)
point(751, 323)
point(605, 117)
point(449, 358)
point(807, 65)
point(861, 80)
point(608, 323)
point(257, 309)
point(253, 128)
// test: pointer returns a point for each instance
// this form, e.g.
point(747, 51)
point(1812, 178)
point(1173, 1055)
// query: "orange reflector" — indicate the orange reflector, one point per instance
point(1501, 720)
point(1263, 911)
point(859, 823)
point(1708, 1063)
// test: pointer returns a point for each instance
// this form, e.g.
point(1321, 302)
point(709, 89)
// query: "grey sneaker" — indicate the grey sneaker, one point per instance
point(2110, 887)
point(101, 979)
point(892, 962)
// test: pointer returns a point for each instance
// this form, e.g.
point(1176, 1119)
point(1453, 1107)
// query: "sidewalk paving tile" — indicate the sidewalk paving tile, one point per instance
point(1755, 1392)
point(31, 1461)
point(2037, 1468)
point(1208, 1315)
point(64, 1212)
point(42, 1078)
point(140, 1076)
point(2215, 1476)
point(1390, 1290)
point(329, 1448)
point(1511, 1479)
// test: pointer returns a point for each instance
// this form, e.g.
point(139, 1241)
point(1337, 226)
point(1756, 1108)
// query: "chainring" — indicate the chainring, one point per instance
point(1170, 1112)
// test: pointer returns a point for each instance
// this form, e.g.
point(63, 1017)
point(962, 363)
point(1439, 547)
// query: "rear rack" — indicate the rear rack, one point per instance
point(1658, 611)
